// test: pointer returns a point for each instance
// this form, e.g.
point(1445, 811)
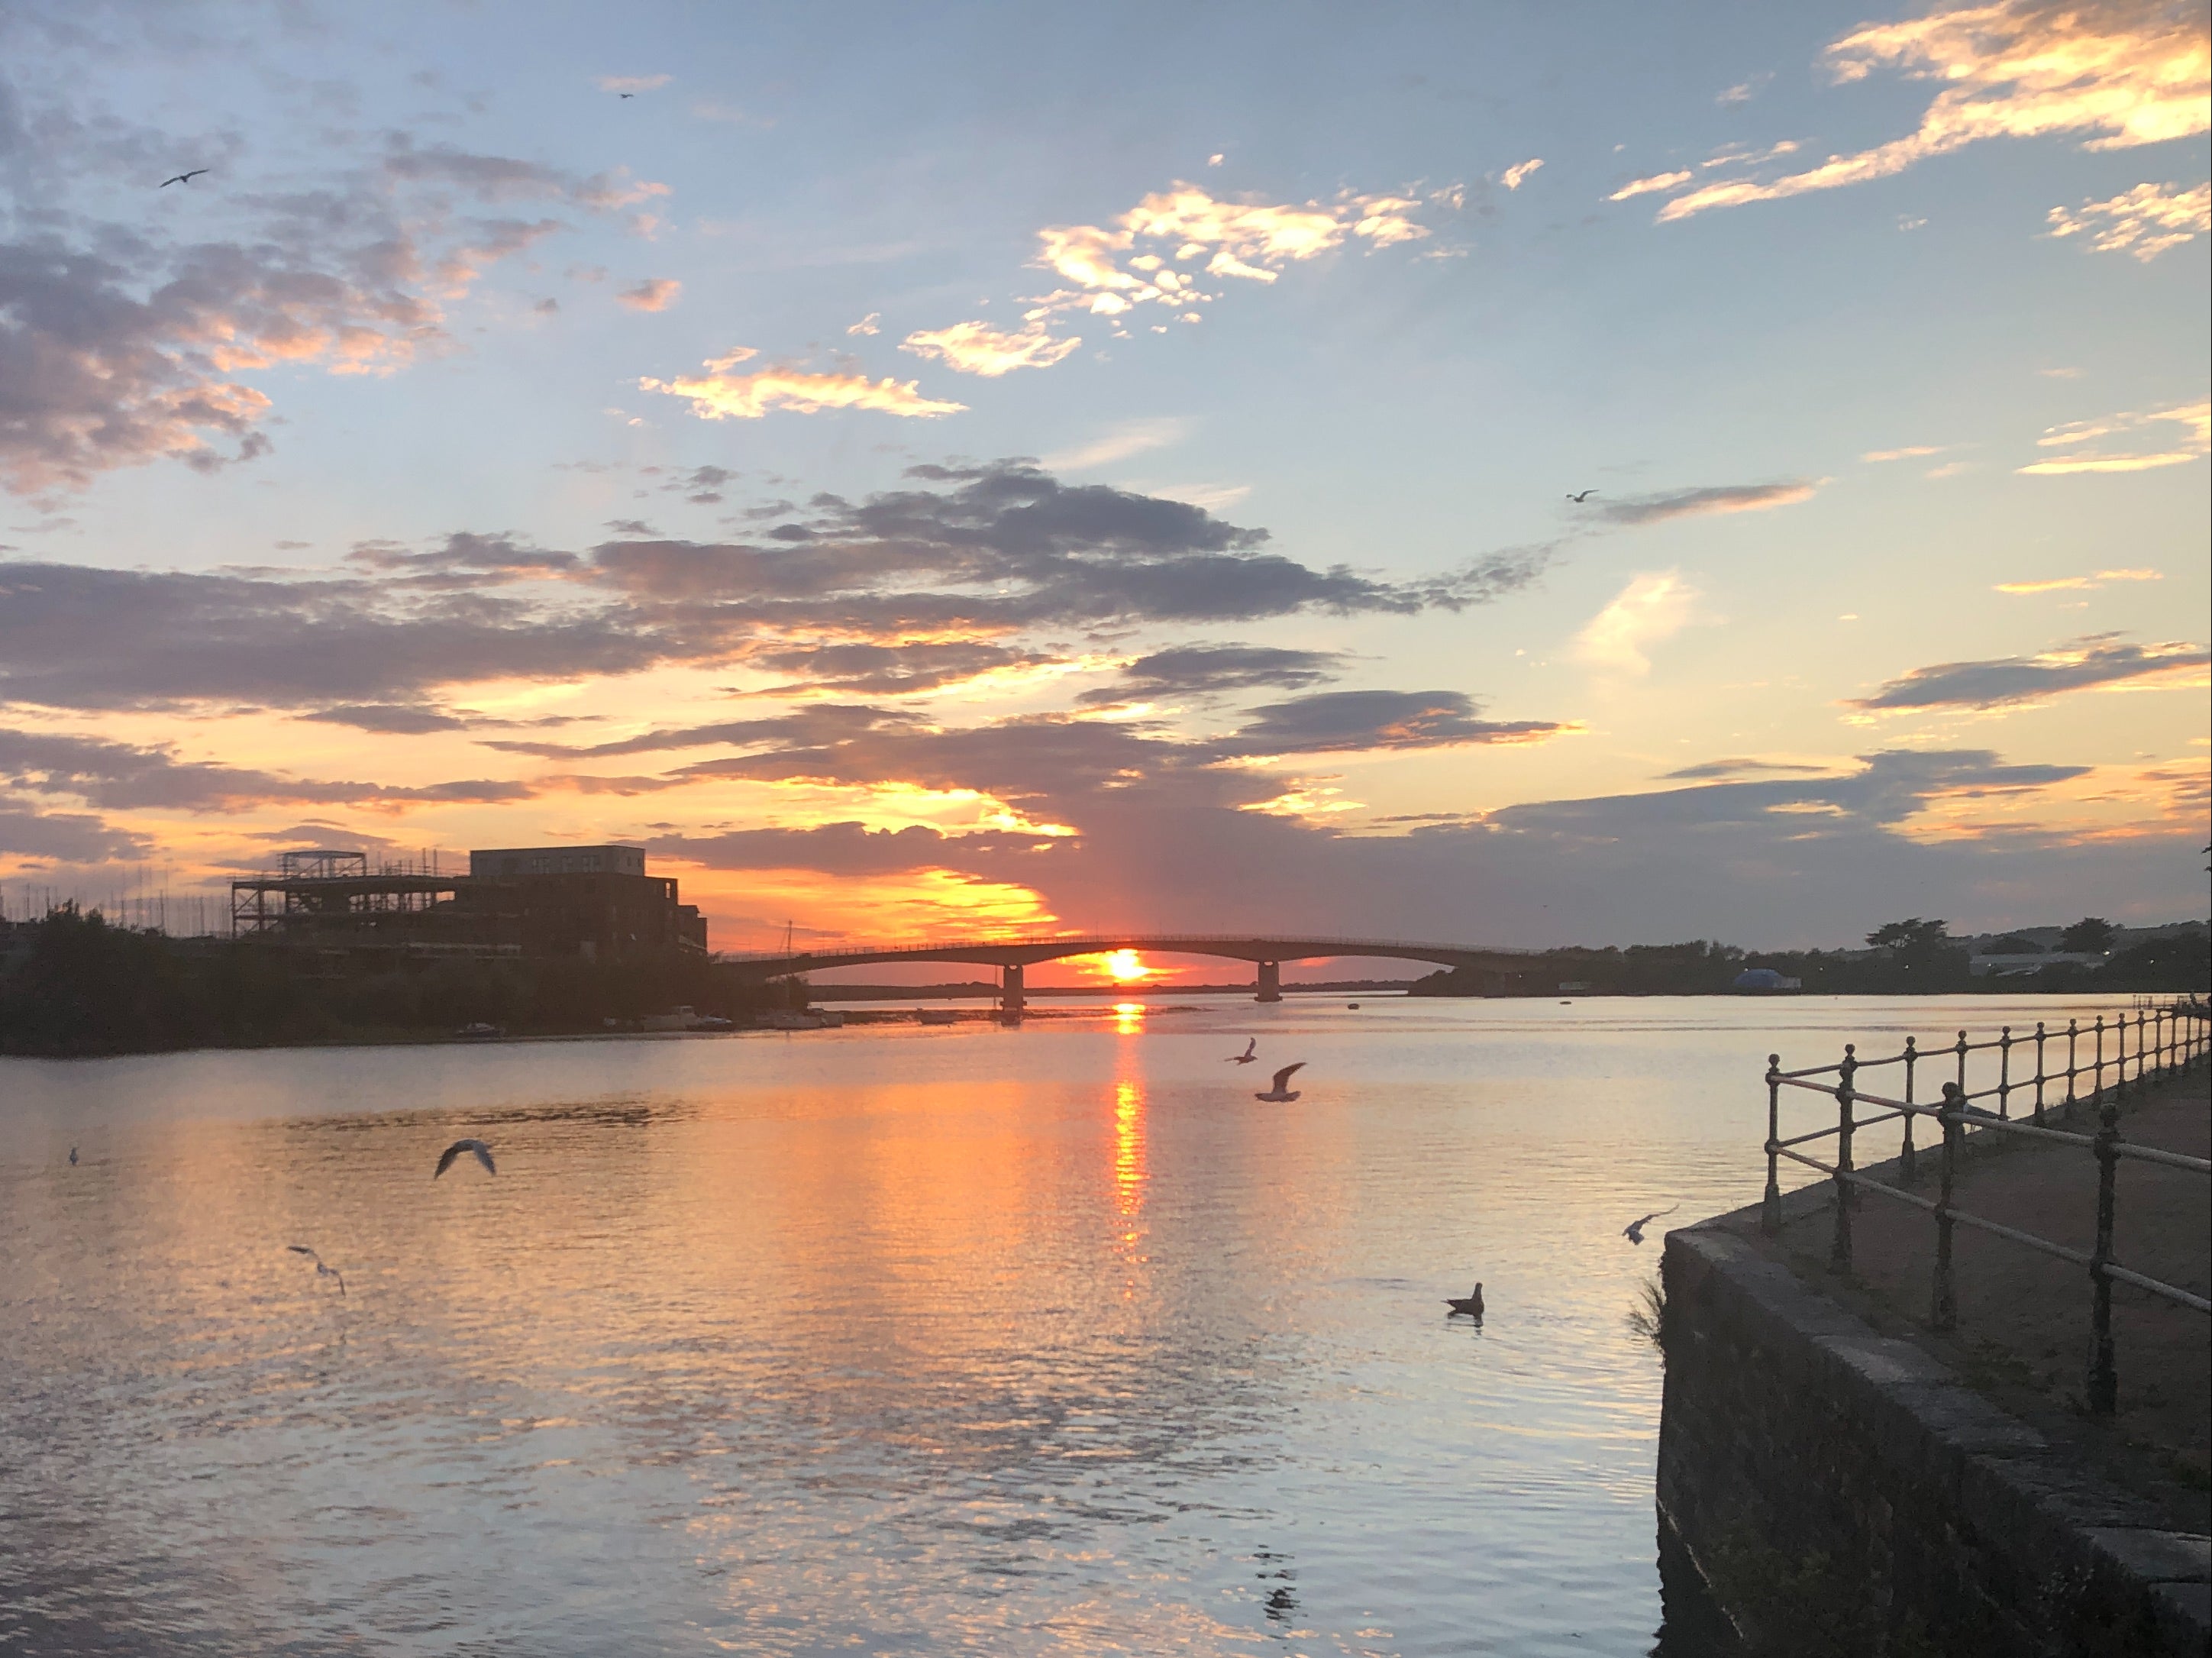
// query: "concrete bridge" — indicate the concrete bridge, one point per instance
point(1010, 956)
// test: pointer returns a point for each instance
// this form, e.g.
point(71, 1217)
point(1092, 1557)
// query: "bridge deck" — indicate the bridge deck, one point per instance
point(1026, 952)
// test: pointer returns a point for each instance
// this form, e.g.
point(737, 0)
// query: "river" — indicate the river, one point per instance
point(894, 1339)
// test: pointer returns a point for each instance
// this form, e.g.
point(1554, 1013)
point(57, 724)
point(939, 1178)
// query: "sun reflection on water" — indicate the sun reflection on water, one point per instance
point(1128, 1018)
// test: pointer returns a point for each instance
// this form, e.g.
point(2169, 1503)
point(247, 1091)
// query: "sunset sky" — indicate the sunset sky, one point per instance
point(931, 470)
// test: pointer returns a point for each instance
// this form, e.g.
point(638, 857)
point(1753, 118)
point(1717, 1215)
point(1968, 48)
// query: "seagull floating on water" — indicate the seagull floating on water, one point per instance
point(181, 178)
point(1251, 1052)
point(1634, 1231)
point(1466, 1306)
point(1280, 1092)
point(482, 1150)
point(321, 1271)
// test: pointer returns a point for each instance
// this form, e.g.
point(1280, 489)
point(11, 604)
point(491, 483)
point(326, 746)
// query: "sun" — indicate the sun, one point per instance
point(1126, 966)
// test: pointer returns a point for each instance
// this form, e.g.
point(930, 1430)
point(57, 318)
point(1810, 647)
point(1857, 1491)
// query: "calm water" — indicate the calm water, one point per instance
point(878, 1340)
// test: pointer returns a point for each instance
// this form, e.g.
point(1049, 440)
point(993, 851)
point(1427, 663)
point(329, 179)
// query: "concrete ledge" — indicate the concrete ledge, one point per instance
point(1805, 1459)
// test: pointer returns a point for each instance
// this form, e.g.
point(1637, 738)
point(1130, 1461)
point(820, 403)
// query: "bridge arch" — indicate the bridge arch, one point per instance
point(1013, 955)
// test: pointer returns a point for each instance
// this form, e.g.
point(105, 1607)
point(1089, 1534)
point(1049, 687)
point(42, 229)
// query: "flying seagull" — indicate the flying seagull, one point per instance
point(626, 94)
point(1467, 1305)
point(482, 1150)
point(181, 178)
point(321, 1271)
point(1584, 496)
point(1280, 1092)
point(1634, 1231)
point(1251, 1052)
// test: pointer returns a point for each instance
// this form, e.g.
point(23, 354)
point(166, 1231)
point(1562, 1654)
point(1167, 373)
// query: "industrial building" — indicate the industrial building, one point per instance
point(589, 901)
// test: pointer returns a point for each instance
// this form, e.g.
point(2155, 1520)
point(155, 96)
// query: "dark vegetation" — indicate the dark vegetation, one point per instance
point(1909, 957)
point(71, 985)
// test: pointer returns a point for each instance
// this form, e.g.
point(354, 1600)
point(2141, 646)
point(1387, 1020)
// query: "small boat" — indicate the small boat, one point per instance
point(935, 1017)
point(479, 1032)
point(711, 1021)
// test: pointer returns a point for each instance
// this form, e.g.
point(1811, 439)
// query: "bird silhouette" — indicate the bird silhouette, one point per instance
point(1634, 1231)
point(1251, 1052)
point(1584, 496)
point(626, 94)
point(482, 1150)
point(1280, 1092)
point(1466, 1306)
point(181, 178)
point(72, 1156)
point(321, 1270)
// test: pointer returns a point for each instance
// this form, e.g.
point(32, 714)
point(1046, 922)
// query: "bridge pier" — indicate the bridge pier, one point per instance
point(1011, 1001)
point(1271, 982)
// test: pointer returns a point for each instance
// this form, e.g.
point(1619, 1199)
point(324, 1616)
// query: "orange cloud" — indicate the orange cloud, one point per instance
point(2145, 220)
point(2195, 417)
point(2070, 584)
point(977, 348)
point(720, 395)
point(2125, 76)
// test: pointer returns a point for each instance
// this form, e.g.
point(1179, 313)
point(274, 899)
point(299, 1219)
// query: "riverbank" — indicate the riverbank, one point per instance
point(1827, 1459)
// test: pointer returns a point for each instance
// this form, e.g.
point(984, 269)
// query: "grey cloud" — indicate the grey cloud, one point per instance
point(122, 777)
point(1201, 670)
point(1710, 771)
point(67, 837)
point(1004, 551)
point(887, 670)
point(1696, 503)
point(1346, 721)
point(1892, 786)
point(2098, 659)
point(403, 719)
point(852, 849)
point(803, 728)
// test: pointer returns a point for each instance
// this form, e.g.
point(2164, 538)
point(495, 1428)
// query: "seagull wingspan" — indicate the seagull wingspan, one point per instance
point(482, 1155)
point(1282, 1076)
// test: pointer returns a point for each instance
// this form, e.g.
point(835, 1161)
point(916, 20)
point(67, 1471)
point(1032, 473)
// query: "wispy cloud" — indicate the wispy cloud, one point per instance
point(2195, 419)
point(1743, 91)
point(2097, 662)
point(1653, 606)
point(977, 348)
point(1119, 442)
point(1517, 175)
point(634, 83)
point(2080, 583)
point(869, 324)
point(1912, 451)
point(719, 394)
point(2145, 220)
point(1658, 181)
point(1699, 502)
point(654, 293)
point(2123, 74)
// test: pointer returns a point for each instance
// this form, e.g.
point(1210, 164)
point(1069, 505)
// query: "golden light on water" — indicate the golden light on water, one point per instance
point(1128, 1018)
point(1129, 1149)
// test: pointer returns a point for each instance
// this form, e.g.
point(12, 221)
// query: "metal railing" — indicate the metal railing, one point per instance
point(2168, 1041)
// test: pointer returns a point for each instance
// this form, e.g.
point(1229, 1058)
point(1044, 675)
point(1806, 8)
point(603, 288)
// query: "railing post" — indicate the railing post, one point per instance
point(2103, 1387)
point(1943, 1307)
point(2097, 1094)
point(1962, 1062)
point(2120, 1073)
point(1909, 1160)
point(1839, 1255)
point(2039, 1073)
point(2073, 1034)
point(1770, 1205)
point(2004, 1072)
point(2139, 1047)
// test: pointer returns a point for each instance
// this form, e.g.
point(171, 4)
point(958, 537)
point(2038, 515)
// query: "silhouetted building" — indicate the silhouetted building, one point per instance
point(591, 901)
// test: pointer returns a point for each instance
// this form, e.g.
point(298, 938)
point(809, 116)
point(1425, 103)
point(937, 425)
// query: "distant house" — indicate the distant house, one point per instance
point(1765, 978)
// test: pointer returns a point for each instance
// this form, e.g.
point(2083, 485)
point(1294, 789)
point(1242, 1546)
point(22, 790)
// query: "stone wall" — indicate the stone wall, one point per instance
point(1842, 1492)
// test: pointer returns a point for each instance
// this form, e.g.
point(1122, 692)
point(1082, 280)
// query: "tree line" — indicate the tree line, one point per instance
point(1909, 957)
point(71, 984)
